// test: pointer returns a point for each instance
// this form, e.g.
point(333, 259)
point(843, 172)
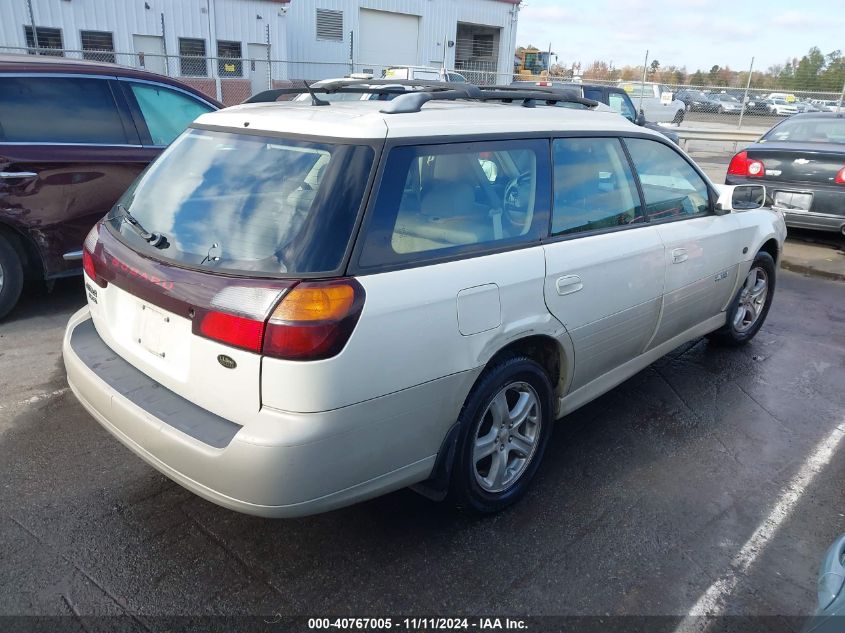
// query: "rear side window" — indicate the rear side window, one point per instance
point(166, 112)
point(247, 203)
point(59, 110)
point(593, 186)
point(671, 187)
point(439, 201)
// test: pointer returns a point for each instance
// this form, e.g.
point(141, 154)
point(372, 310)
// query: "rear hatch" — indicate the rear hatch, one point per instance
point(185, 272)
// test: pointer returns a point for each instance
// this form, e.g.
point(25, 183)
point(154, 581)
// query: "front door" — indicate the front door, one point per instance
point(702, 249)
point(604, 275)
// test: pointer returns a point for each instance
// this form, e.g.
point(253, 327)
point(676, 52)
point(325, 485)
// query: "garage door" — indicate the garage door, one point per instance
point(386, 38)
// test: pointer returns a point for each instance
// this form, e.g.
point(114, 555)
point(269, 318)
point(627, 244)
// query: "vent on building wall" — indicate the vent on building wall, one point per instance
point(330, 25)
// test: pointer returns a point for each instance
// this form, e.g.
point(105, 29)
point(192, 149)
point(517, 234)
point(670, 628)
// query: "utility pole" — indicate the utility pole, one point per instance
point(841, 98)
point(745, 98)
point(34, 30)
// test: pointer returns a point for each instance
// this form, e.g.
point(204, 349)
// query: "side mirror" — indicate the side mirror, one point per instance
point(740, 198)
point(641, 118)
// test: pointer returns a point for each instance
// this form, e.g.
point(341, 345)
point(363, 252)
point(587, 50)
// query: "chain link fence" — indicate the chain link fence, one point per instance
point(233, 79)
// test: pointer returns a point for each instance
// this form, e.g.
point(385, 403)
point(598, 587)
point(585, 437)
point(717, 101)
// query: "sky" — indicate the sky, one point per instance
point(692, 33)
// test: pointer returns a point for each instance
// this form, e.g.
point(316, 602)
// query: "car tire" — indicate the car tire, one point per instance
point(748, 310)
point(721, 110)
point(11, 276)
point(494, 467)
point(679, 116)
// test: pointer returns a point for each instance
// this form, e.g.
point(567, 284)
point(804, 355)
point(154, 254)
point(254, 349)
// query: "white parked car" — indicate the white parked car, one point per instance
point(297, 307)
point(781, 107)
point(658, 101)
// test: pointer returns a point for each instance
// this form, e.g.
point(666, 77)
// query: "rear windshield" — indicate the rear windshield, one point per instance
point(809, 130)
point(246, 203)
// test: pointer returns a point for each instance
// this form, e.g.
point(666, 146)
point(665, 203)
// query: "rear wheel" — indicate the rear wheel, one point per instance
point(679, 117)
point(505, 426)
point(11, 276)
point(748, 310)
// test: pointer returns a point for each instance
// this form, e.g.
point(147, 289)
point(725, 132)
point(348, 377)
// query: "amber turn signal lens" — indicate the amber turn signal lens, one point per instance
point(324, 303)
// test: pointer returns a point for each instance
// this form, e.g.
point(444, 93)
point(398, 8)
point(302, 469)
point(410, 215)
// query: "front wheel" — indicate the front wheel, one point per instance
point(747, 312)
point(679, 117)
point(505, 426)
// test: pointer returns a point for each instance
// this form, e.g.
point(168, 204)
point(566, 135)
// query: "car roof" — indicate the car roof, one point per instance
point(819, 115)
point(363, 119)
point(47, 64)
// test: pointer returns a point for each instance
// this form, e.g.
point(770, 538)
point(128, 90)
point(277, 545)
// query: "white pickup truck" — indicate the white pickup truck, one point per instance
point(658, 102)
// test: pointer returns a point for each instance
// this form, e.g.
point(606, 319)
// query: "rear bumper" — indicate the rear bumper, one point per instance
point(265, 468)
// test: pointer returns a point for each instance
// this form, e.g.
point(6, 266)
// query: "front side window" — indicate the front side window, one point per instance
point(192, 61)
point(248, 203)
point(593, 186)
point(671, 187)
point(439, 201)
point(37, 110)
point(166, 112)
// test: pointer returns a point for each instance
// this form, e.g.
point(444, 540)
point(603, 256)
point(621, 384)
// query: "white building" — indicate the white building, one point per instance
point(302, 39)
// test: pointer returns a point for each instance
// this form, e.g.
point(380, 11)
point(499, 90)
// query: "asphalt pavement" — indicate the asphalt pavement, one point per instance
point(649, 498)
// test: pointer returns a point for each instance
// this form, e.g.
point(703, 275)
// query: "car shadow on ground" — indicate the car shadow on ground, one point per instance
point(47, 299)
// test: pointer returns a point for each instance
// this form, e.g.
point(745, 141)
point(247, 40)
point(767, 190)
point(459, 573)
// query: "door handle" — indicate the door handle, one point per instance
point(679, 255)
point(18, 174)
point(568, 284)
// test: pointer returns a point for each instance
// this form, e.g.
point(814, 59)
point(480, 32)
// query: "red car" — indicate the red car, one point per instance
point(74, 135)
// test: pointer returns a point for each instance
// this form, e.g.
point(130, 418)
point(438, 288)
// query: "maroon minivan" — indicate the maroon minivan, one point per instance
point(74, 134)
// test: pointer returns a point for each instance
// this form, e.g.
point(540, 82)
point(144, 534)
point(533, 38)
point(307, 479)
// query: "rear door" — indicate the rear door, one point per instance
point(605, 265)
point(703, 250)
point(76, 151)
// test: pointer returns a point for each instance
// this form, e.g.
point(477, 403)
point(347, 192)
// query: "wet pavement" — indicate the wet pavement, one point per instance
point(645, 499)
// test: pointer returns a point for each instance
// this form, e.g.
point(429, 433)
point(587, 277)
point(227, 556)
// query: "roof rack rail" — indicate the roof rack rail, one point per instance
point(423, 91)
point(362, 86)
point(413, 101)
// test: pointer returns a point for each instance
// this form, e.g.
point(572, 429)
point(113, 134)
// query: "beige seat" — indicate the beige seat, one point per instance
point(448, 214)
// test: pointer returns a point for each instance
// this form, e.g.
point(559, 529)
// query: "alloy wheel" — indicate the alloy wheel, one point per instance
point(752, 299)
point(507, 437)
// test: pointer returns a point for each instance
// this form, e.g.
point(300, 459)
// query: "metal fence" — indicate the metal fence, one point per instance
point(233, 79)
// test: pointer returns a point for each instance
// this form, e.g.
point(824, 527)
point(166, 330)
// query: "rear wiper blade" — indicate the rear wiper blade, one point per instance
point(158, 240)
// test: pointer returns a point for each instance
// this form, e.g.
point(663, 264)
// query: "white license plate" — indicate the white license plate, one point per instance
point(153, 330)
point(793, 201)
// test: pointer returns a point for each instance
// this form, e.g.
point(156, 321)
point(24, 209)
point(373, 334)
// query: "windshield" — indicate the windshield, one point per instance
point(240, 202)
point(810, 130)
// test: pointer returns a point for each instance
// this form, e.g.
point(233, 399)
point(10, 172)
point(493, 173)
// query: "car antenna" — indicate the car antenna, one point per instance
point(315, 100)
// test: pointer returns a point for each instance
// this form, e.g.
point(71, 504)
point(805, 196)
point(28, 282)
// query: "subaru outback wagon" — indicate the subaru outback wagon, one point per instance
point(296, 308)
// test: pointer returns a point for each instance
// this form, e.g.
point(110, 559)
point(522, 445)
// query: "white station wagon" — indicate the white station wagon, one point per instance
point(296, 308)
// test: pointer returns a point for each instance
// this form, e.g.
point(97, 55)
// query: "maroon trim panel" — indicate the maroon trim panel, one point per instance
point(178, 290)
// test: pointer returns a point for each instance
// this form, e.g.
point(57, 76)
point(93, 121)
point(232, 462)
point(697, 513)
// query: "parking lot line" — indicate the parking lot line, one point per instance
point(711, 602)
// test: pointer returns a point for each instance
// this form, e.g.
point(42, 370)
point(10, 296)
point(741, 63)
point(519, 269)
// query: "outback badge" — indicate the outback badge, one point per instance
point(227, 361)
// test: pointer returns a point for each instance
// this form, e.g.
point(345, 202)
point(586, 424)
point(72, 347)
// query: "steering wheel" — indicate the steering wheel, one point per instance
point(515, 204)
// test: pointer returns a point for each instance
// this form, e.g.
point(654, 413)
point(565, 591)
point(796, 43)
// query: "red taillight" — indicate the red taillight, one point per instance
point(741, 165)
point(313, 320)
point(840, 177)
point(230, 329)
point(89, 263)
